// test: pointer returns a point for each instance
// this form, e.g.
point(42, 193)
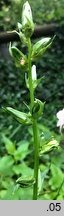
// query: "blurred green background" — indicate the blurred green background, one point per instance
point(13, 93)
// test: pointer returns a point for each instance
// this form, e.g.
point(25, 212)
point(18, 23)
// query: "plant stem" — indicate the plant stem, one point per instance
point(36, 158)
point(30, 75)
point(35, 126)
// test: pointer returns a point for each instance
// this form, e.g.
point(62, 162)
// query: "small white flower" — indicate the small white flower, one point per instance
point(27, 13)
point(60, 116)
point(34, 75)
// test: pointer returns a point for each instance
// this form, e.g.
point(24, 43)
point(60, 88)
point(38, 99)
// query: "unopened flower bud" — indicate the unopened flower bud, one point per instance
point(34, 75)
point(37, 108)
point(40, 47)
point(27, 20)
point(19, 58)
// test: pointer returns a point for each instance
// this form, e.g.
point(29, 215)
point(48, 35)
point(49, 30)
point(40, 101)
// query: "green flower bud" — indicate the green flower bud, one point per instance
point(37, 109)
point(25, 181)
point(40, 47)
point(19, 58)
point(27, 20)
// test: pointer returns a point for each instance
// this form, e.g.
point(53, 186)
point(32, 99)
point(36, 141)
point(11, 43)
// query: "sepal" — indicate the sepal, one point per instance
point(35, 83)
point(37, 108)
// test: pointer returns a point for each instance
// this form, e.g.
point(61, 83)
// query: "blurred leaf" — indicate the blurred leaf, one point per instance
point(2, 194)
point(22, 169)
point(22, 151)
point(10, 146)
point(6, 163)
point(57, 177)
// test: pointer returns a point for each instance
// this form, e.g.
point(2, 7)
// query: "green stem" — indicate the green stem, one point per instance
point(30, 75)
point(35, 127)
point(36, 158)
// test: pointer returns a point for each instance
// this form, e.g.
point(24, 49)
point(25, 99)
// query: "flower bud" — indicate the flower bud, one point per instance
point(40, 47)
point(25, 181)
point(37, 109)
point(27, 20)
point(34, 75)
point(19, 58)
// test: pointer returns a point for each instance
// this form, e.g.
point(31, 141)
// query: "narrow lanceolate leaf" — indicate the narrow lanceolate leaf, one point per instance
point(25, 181)
point(40, 47)
point(21, 117)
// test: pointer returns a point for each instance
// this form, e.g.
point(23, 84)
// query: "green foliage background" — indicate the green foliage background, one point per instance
point(51, 64)
point(13, 93)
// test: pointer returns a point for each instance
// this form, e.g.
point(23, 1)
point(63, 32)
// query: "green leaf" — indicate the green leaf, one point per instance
point(60, 197)
point(22, 151)
point(22, 169)
point(10, 146)
point(6, 163)
point(26, 181)
point(57, 177)
point(21, 117)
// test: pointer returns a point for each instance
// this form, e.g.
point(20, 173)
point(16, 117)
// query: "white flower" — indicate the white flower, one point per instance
point(60, 116)
point(27, 19)
point(26, 12)
point(34, 75)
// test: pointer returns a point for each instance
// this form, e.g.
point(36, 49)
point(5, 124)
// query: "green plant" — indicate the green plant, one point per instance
point(35, 108)
point(17, 162)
